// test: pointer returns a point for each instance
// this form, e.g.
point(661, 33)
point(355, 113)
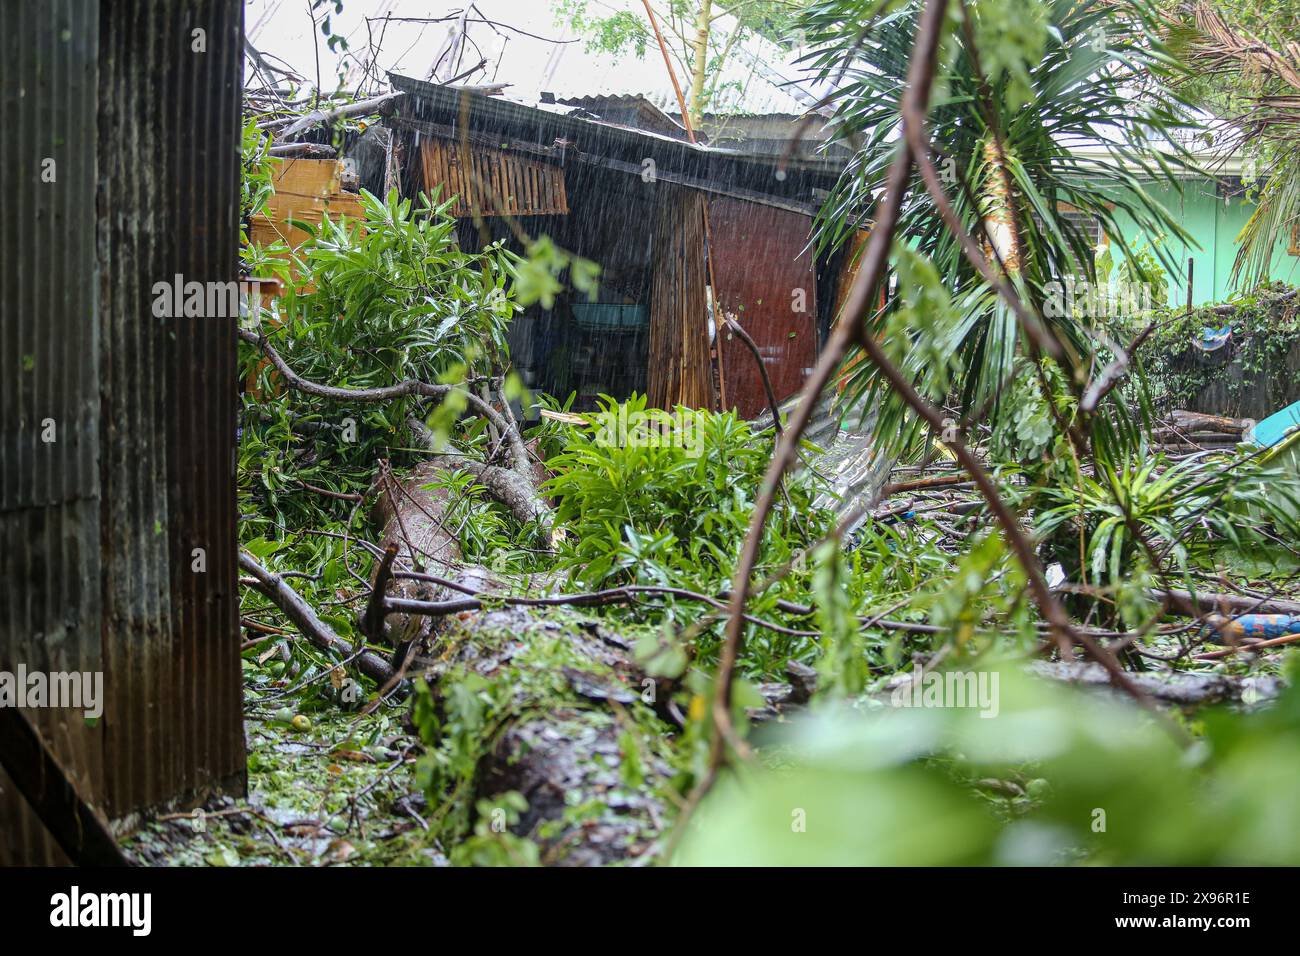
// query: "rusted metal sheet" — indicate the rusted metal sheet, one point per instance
point(49, 384)
point(765, 281)
point(492, 183)
point(70, 820)
point(100, 525)
point(169, 185)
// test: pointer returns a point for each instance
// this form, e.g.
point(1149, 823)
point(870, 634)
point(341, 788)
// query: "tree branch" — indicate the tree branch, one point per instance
point(917, 91)
point(277, 590)
point(386, 393)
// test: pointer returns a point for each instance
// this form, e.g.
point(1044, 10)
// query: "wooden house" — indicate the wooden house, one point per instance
point(686, 236)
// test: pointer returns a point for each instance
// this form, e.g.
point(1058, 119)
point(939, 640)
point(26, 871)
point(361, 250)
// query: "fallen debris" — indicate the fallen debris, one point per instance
point(1172, 687)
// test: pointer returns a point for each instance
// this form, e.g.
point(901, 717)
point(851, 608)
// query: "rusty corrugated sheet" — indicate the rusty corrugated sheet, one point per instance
point(100, 525)
point(169, 179)
point(49, 490)
point(776, 304)
point(492, 183)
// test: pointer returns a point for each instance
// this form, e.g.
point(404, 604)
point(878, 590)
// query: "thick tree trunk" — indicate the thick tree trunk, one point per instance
point(581, 713)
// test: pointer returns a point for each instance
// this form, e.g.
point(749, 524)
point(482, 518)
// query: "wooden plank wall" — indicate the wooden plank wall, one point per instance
point(306, 190)
point(679, 370)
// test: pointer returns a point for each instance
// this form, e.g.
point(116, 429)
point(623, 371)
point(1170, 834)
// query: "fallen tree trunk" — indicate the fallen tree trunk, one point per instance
point(1172, 687)
point(558, 743)
point(571, 728)
point(1217, 423)
point(513, 486)
point(1209, 602)
point(572, 716)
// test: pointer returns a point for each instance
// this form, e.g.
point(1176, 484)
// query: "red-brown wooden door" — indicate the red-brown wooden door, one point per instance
point(766, 282)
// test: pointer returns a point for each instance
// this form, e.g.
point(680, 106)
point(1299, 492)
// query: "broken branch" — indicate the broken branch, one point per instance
point(278, 591)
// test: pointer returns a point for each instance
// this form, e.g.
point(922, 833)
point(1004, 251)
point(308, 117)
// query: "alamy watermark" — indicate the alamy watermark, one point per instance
point(182, 298)
point(973, 689)
point(1097, 300)
point(651, 428)
point(77, 690)
point(75, 909)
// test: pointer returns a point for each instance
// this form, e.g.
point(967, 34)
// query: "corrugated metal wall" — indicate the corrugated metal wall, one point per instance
point(106, 555)
point(775, 304)
point(49, 372)
point(169, 181)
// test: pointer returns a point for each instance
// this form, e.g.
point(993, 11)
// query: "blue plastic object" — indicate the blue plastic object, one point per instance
point(1212, 340)
point(1273, 429)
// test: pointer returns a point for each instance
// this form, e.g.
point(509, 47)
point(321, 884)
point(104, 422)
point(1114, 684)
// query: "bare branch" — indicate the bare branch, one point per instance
point(275, 588)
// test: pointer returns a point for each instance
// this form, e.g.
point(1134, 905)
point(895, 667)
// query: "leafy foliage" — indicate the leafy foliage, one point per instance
point(257, 175)
point(1183, 511)
point(1004, 151)
point(1265, 326)
point(1059, 777)
point(661, 508)
point(618, 31)
point(393, 297)
point(369, 304)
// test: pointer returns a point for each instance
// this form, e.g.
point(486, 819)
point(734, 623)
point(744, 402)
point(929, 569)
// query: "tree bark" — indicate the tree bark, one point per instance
point(565, 741)
point(699, 60)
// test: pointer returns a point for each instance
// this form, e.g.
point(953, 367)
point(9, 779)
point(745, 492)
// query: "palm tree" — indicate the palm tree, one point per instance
point(1255, 84)
point(1021, 82)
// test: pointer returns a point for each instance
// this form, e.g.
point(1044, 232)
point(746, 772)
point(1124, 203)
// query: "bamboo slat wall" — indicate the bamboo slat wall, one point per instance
point(492, 182)
point(679, 370)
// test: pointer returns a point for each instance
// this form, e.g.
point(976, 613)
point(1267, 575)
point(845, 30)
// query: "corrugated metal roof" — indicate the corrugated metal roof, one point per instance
point(757, 178)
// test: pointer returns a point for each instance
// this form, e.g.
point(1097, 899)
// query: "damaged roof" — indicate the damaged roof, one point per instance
point(529, 47)
point(557, 134)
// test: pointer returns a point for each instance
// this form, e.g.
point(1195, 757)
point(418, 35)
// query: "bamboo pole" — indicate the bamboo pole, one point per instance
point(708, 235)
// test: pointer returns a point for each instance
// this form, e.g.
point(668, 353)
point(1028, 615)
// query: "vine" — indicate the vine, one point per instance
point(1265, 327)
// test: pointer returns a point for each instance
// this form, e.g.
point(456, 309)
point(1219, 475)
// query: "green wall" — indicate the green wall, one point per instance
point(1214, 224)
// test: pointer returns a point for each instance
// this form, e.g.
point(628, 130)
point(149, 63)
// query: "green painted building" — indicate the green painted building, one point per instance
point(1213, 211)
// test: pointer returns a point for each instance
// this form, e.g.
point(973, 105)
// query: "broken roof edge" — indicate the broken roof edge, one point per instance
point(674, 116)
point(626, 99)
point(448, 98)
point(794, 184)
